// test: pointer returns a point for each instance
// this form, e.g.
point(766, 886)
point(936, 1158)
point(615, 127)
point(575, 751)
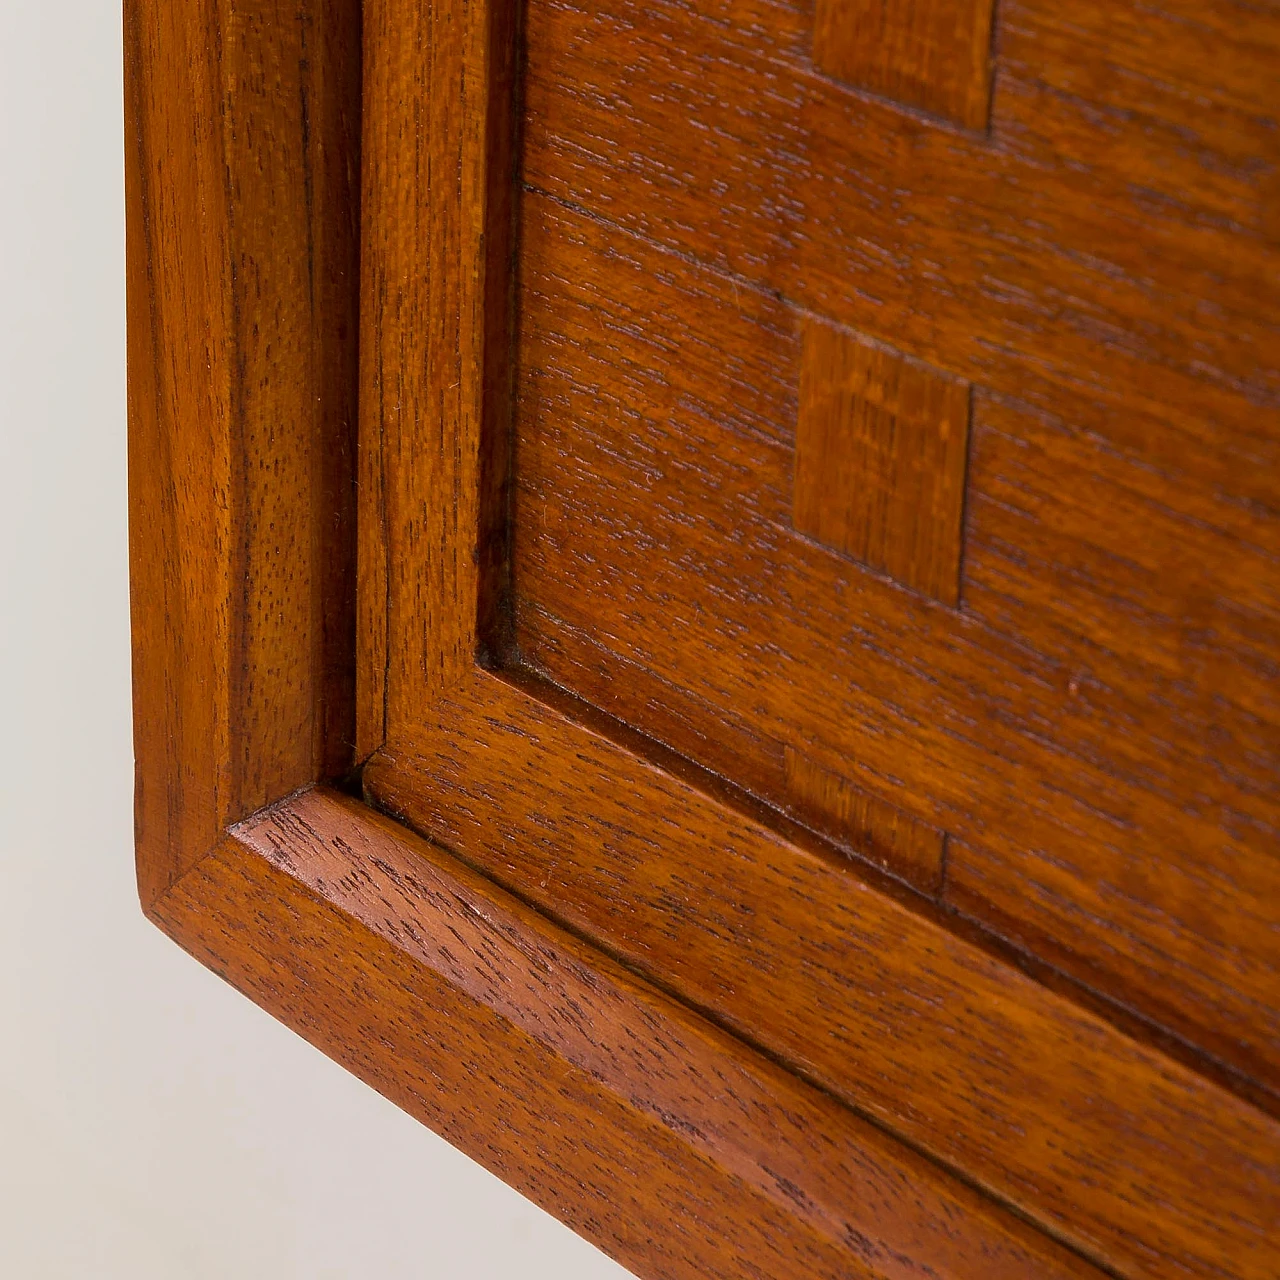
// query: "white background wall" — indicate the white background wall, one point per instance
point(154, 1125)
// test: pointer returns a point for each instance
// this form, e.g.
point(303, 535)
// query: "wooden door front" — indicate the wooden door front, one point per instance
point(837, 573)
point(818, 574)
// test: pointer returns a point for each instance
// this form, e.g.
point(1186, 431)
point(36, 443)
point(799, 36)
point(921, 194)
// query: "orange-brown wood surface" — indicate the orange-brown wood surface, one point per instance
point(880, 452)
point(1105, 758)
point(862, 824)
point(1085, 1129)
point(732, 1166)
point(436, 294)
point(932, 54)
point(1111, 777)
point(243, 126)
point(811, 555)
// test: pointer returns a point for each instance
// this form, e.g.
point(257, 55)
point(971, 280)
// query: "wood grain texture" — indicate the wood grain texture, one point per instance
point(932, 54)
point(464, 1006)
point(1176, 98)
point(436, 314)
point(1099, 721)
point(1094, 734)
point(242, 144)
point(881, 448)
point(855, 820)
point(1098, 1137)
point(967, 255)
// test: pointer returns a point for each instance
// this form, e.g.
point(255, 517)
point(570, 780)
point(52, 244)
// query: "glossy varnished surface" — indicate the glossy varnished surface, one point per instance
point(1096, 726)
point(1025, 1092)
point(898, 894)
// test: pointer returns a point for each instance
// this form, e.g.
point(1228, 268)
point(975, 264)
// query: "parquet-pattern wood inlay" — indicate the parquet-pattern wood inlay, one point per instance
point(881, 444)
point(931, 54)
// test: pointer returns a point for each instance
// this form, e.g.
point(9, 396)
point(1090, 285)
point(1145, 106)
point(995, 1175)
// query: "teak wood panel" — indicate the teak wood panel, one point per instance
point(940, 241)
point(986, 1084)
point(1097, 767)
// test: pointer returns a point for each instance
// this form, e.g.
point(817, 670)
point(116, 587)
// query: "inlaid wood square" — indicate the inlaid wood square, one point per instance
point(932, 54)
point(895, 841)
point(881, 446)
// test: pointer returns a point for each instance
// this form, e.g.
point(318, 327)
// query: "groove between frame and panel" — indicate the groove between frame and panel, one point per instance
point(662, 1139)
point(1091, 1133)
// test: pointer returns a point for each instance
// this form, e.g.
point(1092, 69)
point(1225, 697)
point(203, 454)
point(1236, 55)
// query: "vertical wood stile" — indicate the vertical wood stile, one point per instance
point(242, 289)
point(438, 195)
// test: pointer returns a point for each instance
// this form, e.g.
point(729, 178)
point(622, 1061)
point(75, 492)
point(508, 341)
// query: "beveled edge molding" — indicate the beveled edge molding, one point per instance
point(669, 1144)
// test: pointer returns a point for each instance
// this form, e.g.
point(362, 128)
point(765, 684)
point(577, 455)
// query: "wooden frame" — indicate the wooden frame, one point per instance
point(306, 663)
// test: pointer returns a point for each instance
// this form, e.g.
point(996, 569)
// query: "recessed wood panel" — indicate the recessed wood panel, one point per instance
point(932, 54)
point(1060, 722)
point(881, 445)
